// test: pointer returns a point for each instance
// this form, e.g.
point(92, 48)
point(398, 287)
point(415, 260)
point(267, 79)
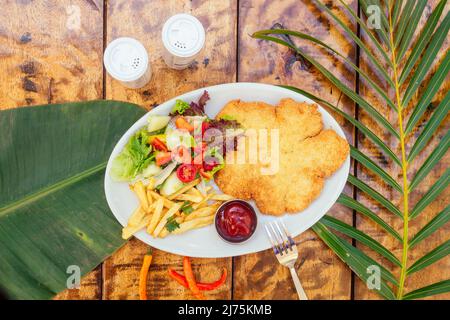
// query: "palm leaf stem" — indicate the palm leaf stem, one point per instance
point(404, 165)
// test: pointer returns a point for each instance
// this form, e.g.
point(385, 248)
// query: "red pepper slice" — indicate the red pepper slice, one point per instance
point(202, 286)
point(159, 145)
point(186, 172)
point(181, 123)
point(205, 126)
point(163, 158)
point(205, 174)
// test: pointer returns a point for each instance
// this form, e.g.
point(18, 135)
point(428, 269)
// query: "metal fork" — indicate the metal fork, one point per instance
point(286, 251)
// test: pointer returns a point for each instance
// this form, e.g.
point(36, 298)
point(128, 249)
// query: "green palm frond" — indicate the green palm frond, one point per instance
point(409, 64)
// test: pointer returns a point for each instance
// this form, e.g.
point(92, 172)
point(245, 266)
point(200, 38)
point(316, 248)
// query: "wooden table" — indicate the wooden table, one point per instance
point(51, 51)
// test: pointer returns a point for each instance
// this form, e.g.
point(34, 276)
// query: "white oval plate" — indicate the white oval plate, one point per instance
point(205, 242)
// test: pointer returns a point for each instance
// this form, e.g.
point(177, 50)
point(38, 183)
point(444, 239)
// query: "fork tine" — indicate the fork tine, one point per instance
point(272, 241)
point(284, 236)
point(288, 235)
point(278, 238)
point(281, 235)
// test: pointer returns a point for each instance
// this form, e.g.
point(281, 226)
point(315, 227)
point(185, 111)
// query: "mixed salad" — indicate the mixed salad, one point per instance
point(176, 149)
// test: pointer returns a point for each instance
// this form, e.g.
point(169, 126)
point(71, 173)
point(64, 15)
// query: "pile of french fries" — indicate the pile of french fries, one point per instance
point(156, 211)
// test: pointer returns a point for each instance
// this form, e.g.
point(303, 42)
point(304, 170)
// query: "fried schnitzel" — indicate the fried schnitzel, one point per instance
point(307, 155)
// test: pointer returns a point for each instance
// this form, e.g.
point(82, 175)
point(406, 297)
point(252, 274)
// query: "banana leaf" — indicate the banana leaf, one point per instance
point(53, 211)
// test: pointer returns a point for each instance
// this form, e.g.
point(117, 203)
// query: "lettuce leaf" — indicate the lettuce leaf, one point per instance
point(135, 157)
point(180, 107)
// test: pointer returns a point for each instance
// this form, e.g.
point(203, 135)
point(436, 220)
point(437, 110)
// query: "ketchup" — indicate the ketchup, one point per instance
point(236, 221)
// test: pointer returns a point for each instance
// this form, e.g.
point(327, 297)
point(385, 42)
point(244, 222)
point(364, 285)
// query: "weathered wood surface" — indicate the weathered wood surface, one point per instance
point(49, 58)
point(50, 52)
point(259, 276)
point(216, 64)
point(57, 57)
point(440, 270)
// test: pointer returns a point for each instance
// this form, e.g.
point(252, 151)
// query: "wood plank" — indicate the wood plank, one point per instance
point(143, 20)
point(440, 270)
point(50, 58)
point(50, 52)
point(259, 276)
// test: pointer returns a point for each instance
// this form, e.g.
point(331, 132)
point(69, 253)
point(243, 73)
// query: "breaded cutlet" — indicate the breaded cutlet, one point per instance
point(307, 155)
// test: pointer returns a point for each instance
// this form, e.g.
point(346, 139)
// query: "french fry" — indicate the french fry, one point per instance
point(195, 192)
point(189, 197)
point(194, 224)
point(151, 183)
point(139, 189)
point(203, 202)
point(149, 198)
point(164, 219)
point(164, 233)
point(167, 203)
point(222, 197)
point(156, 216)
point(128, 231)
point(208, 189)
point(184, 189)
point(136, 217)
point(203, 212)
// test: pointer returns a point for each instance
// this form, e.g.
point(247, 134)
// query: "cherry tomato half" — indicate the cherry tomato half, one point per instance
point(186, 172)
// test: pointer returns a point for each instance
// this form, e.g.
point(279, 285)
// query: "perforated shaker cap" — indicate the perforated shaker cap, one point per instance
point(183, 35)
point(125, 59)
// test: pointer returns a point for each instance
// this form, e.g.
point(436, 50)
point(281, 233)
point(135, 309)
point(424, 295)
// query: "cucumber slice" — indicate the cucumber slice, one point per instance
point(157, 122)
point(171, 185)
point(151, 170)
point(162, 176)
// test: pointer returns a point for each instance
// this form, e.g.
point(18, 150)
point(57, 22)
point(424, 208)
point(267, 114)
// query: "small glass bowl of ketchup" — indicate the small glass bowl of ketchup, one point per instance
point(235, 221)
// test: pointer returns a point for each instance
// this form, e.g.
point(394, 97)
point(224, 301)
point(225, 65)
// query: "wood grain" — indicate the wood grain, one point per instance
point(259, 276)
point(143, 20)
point(52, 58)
point(440, 270)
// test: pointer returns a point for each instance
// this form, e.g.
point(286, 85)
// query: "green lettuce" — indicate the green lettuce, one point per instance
point(180, 107)
point(135, 157)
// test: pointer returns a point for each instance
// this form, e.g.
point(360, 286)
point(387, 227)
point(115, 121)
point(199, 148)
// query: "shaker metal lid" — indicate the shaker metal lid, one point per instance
point(125, 59)
point(183, 35)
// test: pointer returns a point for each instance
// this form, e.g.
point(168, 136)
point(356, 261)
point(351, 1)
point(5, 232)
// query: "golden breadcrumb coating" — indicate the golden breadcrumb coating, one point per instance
point(307, 155)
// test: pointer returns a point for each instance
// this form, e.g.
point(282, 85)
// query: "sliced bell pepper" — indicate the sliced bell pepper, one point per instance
point(159, 145)
point(181, 123)
point(202, 286)
point(161, 137)
point(205, 174)
point(143, 275)
point(163, 158)
point(205, 126)
point(190, 278)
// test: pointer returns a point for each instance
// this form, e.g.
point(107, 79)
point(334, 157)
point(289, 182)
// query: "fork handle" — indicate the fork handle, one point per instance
point(298, 286)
